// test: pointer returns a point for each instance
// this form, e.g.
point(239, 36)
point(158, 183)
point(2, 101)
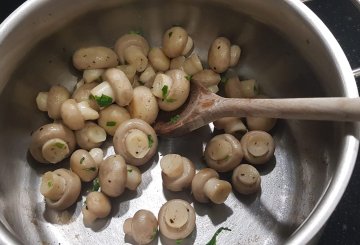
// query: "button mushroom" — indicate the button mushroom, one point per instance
point(144, 105)
point(75, 114)
point(231, 125)
point(92, 75)
point(83, 93)
point(96, 57)
point(177, 63)
point(174, 42)
point(90, 136)
point(133, 179)
point(97, 154)
point(192, 65)
point(235, 52)
point(82, 163)
point(258, 147)
point(260, 123)
point(206, 186)
point(52, 143)
point(142, 227)
point(111, 117)
point(246, 179)
point(234, 88)
point(61, 188)
point(96, 206)
point(171, 89)
point(223, 153)
point(133, 49)
point(208, 79)
point(176, 219)
point(112, 175)
point(129, 70)
point(177, 172)
point(51, 101)
point(219, 55)
point(159, 60)
point(147, 77)
point(136, 141)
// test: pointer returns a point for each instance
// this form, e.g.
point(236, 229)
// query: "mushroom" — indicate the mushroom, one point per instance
point(52, 143)
point(234, 88)
point(171, 89)
point(75, 114)
point(258, 147)
point(159, 60)
point(188, 47)
point(133, 49)
point(111, 117)
point(129, 70)
point(142, 227)
point(92, 75)
point(90, 136)
point(208, 79)
point(51, 101)
point(235, 52)
point(177, 172)
point(231, 125)
point(246, 179)
point(177, 63)
point(96, 206)
point(176, 219)
point(97, 57)
point(223, 153)
point(112, 175)
point(143, 105)
point(206, 187)
point(147, 77)
point(133, 179)
point(192, 65)
point(116, 87)
point(82, 163)
point(175, 42)
point(219, 55)
point(83, 93)
point(260, 123)
point(97, 154)
point(61, 188)
point(136, 141)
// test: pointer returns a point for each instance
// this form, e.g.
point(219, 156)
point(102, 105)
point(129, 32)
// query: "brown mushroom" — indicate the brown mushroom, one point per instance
point(82, 163)
point(96, 57)
point(90, 136)
point(96, 206)
point(75, 114)
point(111, 117)
point(246, 179)
point(112, 175)
point(144, 105)
point(258, 147)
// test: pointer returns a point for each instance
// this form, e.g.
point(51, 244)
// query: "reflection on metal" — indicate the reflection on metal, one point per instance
point(356, 72)
point(356, 3)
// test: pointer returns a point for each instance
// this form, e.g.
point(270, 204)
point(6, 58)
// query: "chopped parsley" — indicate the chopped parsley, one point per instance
point(227, 158)
point(90, 169)
point(174, 119)
point(178, 241)
point(82, 160)
point(49, 184)
point(129, 170)
point(103, 100)
point(60, 145)
point(110, 123)
point(96, 185)
point(213, 239)
point(141, 82)
point(150, 141)
point(154, 233)
point(188, 77)
point(224, 79)
point(165, 94)
point(170, 34)
point(138, 32)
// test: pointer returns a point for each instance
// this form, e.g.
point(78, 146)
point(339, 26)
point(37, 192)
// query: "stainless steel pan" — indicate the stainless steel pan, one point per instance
point(285, 47)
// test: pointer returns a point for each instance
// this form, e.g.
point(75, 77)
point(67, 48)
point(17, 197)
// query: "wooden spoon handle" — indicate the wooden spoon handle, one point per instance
point(328, 108)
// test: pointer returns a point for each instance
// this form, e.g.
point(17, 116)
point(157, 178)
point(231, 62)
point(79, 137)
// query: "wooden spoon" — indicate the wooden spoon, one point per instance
point(204, 107)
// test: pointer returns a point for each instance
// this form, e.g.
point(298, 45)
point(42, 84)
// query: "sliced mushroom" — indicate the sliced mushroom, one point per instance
point(231, 125)
point(51, 101)
point(83, 164)
point(206, 186)
point(223, 153)
point(97, 57)
point(133, 179)
point(136, 141)
point(52, 143)
point(144, 105)
point(83, 93)
point(92, 75)
point(142, 227)
point(177, 63)
point(61, 188)
point(90, 136)
point(219, 55)
point(246, 179)
point(258, 147)
point(235, 52)
point(176, 219)
point(96, 206)
point(111, 117)
point(147, 77)
point(75, 114)
point(174, 41)
point(234, 88)
point(112, 175)
point(158, 59)
point(192, 65)
point(207, 78)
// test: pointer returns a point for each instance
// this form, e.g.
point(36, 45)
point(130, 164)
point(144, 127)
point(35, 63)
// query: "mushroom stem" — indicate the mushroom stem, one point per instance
point(92, 75)
point(172, 168)
point(217, 190)
point(160, 81)
point(127, 226)
point(192, 65)
point(188, 46)
point(55, 150)
point(86, 111)
point(135, 56)
point(213, 89)
point(41, 101)
point(103, 88)
point(176, 215)
point(136, 143)
point(97, 154)
point(88, 217)
point(52, 186)
point(96, 134)
point(235, 125)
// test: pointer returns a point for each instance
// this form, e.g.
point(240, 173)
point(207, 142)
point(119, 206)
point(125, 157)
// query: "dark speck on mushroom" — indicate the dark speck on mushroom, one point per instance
point(109, 181)
point(171, 221)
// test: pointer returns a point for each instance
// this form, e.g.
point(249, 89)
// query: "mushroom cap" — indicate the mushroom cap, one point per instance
point(83, 139)
point(231, 161)
point(98, 204)
point(133, 179)
point(56, 97)
point(246, 179)
point(180, 213)
point(82, 163)
point(207, 78)
point(71, 115)
point(144, 105)
point(48, 132)
point(83, 93)
point(72, 190)
point(198, 182)
point(96, 57)
point(111, 117)
point(143, 226)
point(128, 40)
point(112, 175)
point(219, 55)
point(174, 41)
point(260, 123)
point(120, 137)
point(258, 146)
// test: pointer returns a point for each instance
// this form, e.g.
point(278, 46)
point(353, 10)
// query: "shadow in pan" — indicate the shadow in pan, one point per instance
point(218, 213)
point(130, 240)
point(186, 241)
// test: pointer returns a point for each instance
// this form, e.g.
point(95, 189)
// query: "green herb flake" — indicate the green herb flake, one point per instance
point(178, 241)
point(227, 158)
point(188, 77)
point(82, 160)
point(170, 100)
point(174, 119)
point(129, 170)
point(138, 32)
point(50, 184)
point(91, 97)
point(110, 124)
point(213, 239)
point(170, 34)
point(154, 233)
point(224, 79)
point(96, 185)
point(150, 141)
point(141, 83)
point(103, 100)
point(165, 92)
point(90, 169)
point(60, 145)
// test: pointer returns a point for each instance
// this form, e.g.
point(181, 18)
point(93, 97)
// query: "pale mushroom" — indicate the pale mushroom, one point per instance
point(235, 52)
point(129, 70)
point(111, 117)
point(177, 172)
point(258, 147)
point(192, 65)
point(231, 125)
point(133, 179)
point(175, 41)
point(208, 79)
point(97, 154)
point(52, 143)
point(223, 153)
point(142, 227)
point(177, 63)
point(189, 47)
point(112, 175)
point(92, 75)
point(83, 164)
point(90, 136)
point(234, 88)
point(147, 77)
point(136, 141)
point(83, 93)
point(97, 57)
point(219, 55)
point(158, 59)
point(246, 179)
point(176, 219)
point(143, 105)
point(51, 101)
point(61, 188)
point(206, 186)
point(96, 206)
point(260, 123)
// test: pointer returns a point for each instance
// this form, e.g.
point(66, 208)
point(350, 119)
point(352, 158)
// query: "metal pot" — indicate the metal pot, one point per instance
point(285, 47)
